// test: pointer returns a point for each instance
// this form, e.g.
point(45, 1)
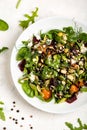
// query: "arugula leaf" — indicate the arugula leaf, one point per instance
point(3, 49)
point(18, 3)
point(83, 89)
point(2, 116)
point(80, 123)
point(83, 37)
point(69, 125)
point(3, 25)
point(30, 19)
point(80, 127)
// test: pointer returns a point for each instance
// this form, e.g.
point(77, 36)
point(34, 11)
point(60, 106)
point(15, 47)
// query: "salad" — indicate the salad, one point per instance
point(54, 65)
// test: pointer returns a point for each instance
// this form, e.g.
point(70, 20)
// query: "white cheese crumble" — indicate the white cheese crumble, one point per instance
point(30, 44)
point(32, 77)
point(83, 48)
point(73, 61)
point(71, 77)
point(63, 71)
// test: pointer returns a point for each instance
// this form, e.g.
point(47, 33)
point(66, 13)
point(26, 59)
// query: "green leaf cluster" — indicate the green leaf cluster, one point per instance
point(29, 19)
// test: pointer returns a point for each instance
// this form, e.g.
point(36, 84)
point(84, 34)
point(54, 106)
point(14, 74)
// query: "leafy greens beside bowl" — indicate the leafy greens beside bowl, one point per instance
point(54, 65)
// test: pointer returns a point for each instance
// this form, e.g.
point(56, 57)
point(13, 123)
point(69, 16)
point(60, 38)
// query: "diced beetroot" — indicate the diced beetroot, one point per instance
point(85, 83)
point(35, 40)
point(21, 65)
point(53, 81)
point(85, 44)
point(71, 99)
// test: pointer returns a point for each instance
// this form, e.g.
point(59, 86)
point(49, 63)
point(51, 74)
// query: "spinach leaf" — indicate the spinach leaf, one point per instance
point(83, 37)
point(28, 89)
point(52, 34)
point(3, 25)
point(69, 30)
point(71, 34)
point(22, 53)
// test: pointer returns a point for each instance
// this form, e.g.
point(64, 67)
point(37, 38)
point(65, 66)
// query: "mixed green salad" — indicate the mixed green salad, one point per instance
point(54, 65)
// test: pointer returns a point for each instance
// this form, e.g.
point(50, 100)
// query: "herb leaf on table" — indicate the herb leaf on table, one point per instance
point(2, 116)
point(3, 49)
point(80, 127)
point(3, 25)
point(30, 19)
point(18, 3)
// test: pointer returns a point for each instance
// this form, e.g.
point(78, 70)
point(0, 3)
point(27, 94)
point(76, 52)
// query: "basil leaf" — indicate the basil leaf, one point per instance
point(3, 25)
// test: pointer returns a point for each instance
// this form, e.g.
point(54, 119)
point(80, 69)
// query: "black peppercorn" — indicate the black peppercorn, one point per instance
point(22, 118)
point(17, 111)
point(4, 128)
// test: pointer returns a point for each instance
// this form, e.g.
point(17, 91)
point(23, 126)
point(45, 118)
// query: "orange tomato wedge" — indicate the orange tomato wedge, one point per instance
point(80, 83)
point(73, 89)
point(46, 94)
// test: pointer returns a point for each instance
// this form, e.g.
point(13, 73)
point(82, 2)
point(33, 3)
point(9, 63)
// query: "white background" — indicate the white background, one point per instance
point(76, 9)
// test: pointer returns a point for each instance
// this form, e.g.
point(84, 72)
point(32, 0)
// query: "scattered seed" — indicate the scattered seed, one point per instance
point(4, 128)
point(31, 116)
point(16, 119)
point(16, 122)
point(13, 119)
point(22, 118)
point(12, 109)
point(21, 125)
point(10, 117)
point(14, 106)
point(31, 127)
point(17, 111)
point(14, 102)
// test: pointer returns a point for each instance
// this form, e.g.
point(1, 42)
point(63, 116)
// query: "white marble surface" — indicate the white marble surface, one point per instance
point(40, 120)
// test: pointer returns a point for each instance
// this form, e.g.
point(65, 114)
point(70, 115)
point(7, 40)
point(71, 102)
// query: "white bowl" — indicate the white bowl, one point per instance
point(44, 25)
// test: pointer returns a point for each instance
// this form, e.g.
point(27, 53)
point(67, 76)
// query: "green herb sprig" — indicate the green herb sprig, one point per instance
point(18, 3)
point(2, 115)
point(30, 19)
point(3, 49)
point(80, 127)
